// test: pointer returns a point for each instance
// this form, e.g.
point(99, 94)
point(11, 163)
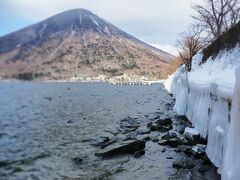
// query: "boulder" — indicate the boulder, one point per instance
point(192, 135)
point(199, 150)
point(175, 134)
point(155, 139)
point(152, 126)
point(77, 160)
point(173, 142)
point(163, 150)
point(166, 136)
point(164, 122)
point(129, 147)
point(163, 142)
point(159, 126)
point(186, 149)
point(144, 138)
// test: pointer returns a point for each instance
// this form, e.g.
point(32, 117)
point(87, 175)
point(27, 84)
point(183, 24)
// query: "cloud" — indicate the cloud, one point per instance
point(153, 21)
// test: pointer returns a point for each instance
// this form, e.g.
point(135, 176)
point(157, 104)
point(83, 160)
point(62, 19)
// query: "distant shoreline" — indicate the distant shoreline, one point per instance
point(74, 81)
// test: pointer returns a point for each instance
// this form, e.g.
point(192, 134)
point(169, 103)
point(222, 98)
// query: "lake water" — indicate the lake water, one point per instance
point(45, 127)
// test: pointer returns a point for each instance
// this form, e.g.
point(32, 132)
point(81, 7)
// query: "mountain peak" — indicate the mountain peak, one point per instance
point(71, 16)
point(73, 13)
point(78, 43)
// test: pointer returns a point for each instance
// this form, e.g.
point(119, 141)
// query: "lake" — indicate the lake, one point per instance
point(46, 127)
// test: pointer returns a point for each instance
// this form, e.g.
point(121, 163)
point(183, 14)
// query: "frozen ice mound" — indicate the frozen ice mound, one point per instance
point(205, 96)
point(231, 163)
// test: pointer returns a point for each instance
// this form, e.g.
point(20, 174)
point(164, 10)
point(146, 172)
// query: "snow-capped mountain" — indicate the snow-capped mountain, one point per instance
point(78, 43)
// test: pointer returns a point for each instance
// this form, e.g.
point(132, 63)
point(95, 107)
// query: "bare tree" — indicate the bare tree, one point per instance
point(189, 44)
point(217, 16)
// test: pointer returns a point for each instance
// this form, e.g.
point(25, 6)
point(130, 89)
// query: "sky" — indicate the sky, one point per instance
point(156, 22)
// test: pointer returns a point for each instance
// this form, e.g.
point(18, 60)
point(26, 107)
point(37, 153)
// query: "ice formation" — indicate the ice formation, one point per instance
point(205, 96)
point(231, 168)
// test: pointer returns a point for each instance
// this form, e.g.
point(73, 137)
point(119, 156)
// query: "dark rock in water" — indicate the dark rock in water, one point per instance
point(166, 136)
point(161, 125)
point(193, 137)
point(205, 159)
point(86, 140)
point(163, 150)
point(182, 117)
point(48, 98)
point(181, 129)
point(155, 139)
point(186, 142)
point(129, 120)
point(152, 126)
point(77, 160)
point(4, 163)
point(70, 121)
point(155, 126)
point(171, 134)
point(127, 148)
point(138, 154)
point(129, 124)
point(191, 134)
point(198, 150)
point(2, 134)
point(16, 170)
point(164, 122)
point(132, 127)
point(166, 128)
point(186, 149)
point(142, 131)
point(177, 150)
point(146, 138)
point(167, 139)
point(173, 142)
point(174, 134)
point(183, 164)
point(163, 142)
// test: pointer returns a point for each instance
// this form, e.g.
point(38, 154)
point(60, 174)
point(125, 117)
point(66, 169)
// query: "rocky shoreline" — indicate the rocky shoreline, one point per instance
point(170, 133)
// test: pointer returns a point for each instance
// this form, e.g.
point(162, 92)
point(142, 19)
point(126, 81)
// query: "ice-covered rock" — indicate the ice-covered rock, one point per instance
point(191, 134)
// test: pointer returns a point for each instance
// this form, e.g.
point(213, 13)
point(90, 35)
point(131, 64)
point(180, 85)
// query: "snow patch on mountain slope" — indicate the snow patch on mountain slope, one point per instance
point(205, 96)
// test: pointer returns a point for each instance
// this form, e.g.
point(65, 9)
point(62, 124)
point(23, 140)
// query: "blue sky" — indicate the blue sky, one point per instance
point(157, 22)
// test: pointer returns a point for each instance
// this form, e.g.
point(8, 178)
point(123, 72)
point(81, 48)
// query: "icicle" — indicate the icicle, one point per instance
point(231, 168)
